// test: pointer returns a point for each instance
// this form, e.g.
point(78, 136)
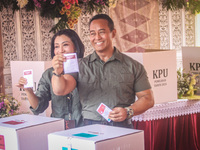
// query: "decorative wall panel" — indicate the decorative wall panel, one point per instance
point(45, 27)
point(189, 29)
point(9, 45)
point(164, 28)
point(28, 36)
point(176, 27)
point(8, 33)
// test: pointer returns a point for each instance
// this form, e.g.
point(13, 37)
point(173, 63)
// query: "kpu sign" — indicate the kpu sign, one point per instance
point(161, 70)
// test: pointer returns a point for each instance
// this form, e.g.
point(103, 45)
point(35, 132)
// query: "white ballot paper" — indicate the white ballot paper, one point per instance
point(28, 74)
point(71, 64)
point(104, 111)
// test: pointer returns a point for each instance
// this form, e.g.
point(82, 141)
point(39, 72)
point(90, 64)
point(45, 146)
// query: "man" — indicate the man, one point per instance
point(107, 76)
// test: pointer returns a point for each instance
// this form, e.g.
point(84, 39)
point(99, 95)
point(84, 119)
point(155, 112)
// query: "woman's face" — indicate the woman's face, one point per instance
point(63, 45)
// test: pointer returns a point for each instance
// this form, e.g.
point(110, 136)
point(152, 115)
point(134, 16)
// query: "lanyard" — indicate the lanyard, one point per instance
point(69, 103)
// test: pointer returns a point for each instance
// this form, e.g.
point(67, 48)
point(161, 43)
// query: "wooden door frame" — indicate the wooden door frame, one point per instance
point(2, 85)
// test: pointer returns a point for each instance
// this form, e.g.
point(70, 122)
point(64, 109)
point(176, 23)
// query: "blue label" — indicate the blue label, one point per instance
point(65, 148)
point(85, 135)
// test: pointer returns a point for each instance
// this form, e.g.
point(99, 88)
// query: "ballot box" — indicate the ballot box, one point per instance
point(97, 137)
point(27, 132)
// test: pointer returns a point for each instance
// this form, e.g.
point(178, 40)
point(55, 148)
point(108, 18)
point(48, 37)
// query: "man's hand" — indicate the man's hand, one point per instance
point(118, 114)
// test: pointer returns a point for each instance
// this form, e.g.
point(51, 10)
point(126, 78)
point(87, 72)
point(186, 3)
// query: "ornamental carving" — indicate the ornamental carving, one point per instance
point(9, 41)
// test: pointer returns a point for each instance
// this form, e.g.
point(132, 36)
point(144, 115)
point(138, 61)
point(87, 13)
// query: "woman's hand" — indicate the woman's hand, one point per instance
point(22, 81)
point(57, 63)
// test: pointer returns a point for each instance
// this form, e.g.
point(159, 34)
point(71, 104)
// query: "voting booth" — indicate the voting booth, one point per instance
point(97, 137)
point(17, 69)
point(27, 132)
point(191, 62)
point(161, 70)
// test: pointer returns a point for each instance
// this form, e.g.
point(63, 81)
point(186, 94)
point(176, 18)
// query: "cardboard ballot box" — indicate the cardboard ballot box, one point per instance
point(162, 72)
point(97, 137)
point(27, 132)
point(17, 68)
point(191, 62)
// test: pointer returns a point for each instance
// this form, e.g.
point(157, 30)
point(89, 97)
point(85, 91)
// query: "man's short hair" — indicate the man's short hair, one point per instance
point(103, 16)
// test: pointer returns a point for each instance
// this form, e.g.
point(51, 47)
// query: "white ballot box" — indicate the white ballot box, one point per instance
point(191, 62)
point(162, 72)
point(97, 137)
point(27, 132)
point(17, 68)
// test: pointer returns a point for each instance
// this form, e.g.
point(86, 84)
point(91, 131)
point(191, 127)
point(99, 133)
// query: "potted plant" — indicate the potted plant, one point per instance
point(8, 105)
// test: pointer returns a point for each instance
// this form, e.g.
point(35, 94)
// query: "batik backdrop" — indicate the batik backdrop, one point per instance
point(137, 24)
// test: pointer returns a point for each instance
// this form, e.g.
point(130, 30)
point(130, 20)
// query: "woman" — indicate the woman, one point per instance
point(67, 107)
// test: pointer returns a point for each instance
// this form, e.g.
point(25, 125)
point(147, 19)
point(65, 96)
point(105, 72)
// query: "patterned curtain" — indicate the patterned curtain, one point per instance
point(137, 25)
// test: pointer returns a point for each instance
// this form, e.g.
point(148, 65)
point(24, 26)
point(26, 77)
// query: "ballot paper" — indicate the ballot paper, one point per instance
point(71, 64)
point(28, 74)
point(104, 111)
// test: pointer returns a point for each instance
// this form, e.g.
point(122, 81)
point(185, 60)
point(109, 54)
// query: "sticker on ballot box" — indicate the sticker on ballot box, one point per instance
point(28, 74)
point(14, 122)
point(71, 64)
point(2, 142)
point(104, 111)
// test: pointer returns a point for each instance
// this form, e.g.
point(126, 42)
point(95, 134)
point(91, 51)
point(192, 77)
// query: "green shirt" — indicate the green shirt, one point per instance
point(113, 83)
point(60, 105)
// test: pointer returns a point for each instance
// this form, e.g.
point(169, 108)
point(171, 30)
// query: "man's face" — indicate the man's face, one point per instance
point(101, 36)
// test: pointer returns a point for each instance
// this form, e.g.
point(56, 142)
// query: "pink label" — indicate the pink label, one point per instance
point(71, 57)
point(13, 122)
point(27, 72)
point(101, 109)
point(2, 143)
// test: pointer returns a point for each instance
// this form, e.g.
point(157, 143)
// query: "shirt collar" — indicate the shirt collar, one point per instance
point(116, 55)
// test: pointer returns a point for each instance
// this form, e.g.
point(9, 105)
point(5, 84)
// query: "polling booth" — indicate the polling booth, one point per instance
point(17, 70)
point(191, 63)
point(161, 70)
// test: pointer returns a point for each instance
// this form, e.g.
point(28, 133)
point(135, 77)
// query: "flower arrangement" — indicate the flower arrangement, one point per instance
point(8, 106)
point(66, 11)
point(186, 84)
point(191, 5)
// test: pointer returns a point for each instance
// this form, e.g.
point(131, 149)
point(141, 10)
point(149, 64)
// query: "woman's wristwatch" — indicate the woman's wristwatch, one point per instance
point(130, 112)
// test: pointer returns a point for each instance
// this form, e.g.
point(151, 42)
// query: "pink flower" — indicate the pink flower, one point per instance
point(52, 2)
point(37, 4)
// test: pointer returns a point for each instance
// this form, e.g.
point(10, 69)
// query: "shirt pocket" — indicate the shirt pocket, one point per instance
point(122, 79)
point(124, 87)
point(86, 85)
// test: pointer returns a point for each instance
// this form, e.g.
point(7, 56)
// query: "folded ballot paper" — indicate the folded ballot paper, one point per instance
point(104, 111)
point(28, 74)
point(71, 64)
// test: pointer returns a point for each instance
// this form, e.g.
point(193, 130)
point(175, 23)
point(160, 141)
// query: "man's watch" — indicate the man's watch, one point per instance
point(130, 112)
